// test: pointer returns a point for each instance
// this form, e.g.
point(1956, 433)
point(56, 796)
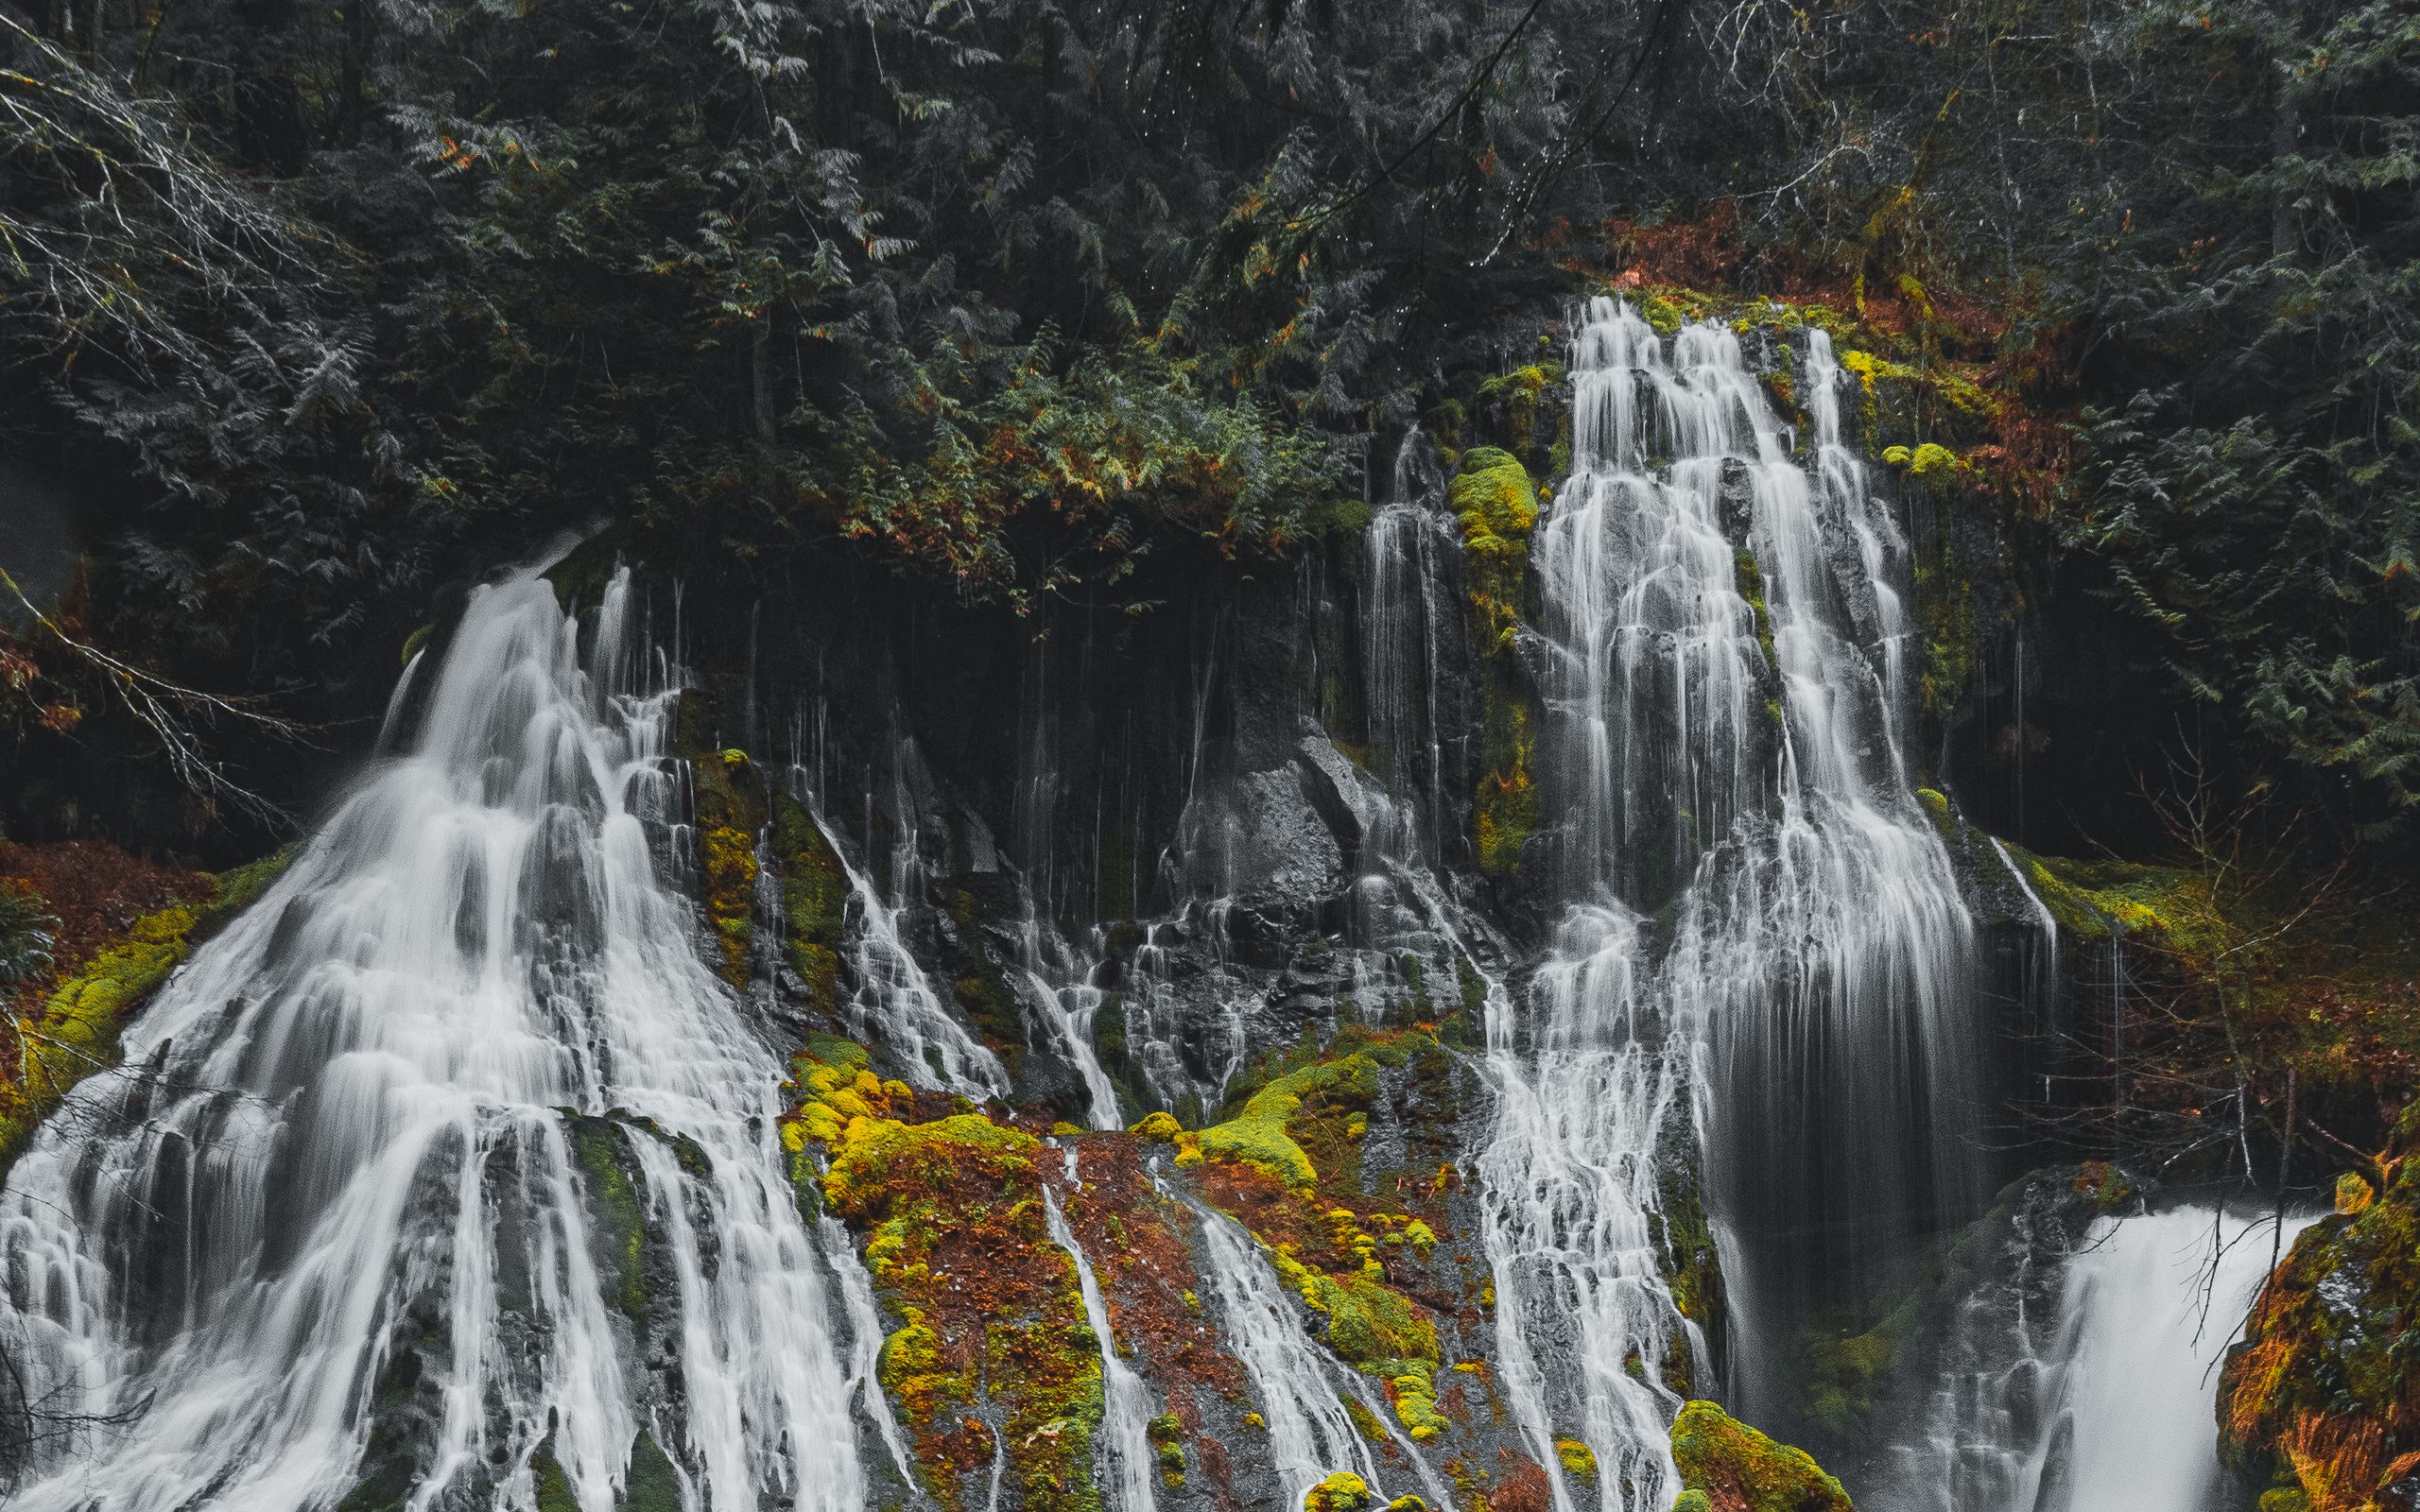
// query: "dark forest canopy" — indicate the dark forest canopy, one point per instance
point(318, 307)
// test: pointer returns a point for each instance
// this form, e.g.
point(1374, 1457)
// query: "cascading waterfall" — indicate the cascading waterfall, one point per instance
point(1293, 1379)
point(1763, 942)
point(1125, 1401)
point(891, 1001)
point(347, 1167)
point(1407, 609)
point(2109, 1404)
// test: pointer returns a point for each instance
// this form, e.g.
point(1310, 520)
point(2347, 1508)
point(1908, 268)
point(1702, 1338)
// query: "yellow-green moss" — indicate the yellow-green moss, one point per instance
point(1343, 1491)
point(993, 1339)
point(1260, 1136)
point(597, 1144)
point(1505, 808)
point(1751, 581)
point(653, 1485)
point(728, 796)
point(1739, 1468)
point(1578, 1460)
point(1159, 1125)
point(2322, 1388)
point(815, 892)
point(1497, 506)
point(1516, 396)
point(1166, 1434)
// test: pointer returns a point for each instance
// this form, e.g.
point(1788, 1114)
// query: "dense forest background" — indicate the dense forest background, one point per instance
point(310, 310)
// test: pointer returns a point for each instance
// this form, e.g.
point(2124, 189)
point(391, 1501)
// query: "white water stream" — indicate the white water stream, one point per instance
point(1762, 941)
point(351, 1148)
point(2113, 1408)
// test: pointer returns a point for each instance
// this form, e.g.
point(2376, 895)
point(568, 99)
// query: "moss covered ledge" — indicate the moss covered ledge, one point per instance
point(1728, 1466)
point(71, 1031)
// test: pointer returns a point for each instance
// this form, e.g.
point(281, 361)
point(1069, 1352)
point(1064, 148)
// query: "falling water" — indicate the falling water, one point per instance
point(353, 1166)
point(1763, 944)
point(1125, 1401)
point(892, 1001)
point(2108, 1405)
point(1309, 1433)
point(1408, 611)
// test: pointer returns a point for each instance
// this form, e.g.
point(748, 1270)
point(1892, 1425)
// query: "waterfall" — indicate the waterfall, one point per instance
point(893, 1003)
point(1293, 1379)
point(1125, 1401)
point(347, 1195)
point(1406, 613)
point(2108, 1404)
point(1762, 944)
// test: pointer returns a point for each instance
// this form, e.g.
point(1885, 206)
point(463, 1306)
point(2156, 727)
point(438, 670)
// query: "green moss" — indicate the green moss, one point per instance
point(914, 1376)
point(2090, 900)
point(1166, 1434)
point(598, 1147)
point(1497, 506)
point(653, 1485)
point(1945, 612)
point(1691, 1262)
point(728, 796)
point(553, 1486)
point(885, 1161)
point(1365, 1423)
point(1577, 1459)
point(1751, 580)
point(1927, 460)
point(993, 1337)
point(1515, 397)
point(1340, 1492)
point(815, 894)
point(2324, 1386)
point(580, 579)
point(1260, 1135)
point(1738, 1466)
point(1413, 1390)
point(413, 641)
point(1339, 516)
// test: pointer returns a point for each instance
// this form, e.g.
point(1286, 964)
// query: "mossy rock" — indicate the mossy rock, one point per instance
point(728, 796)
point(654, 1486)
point(597, 1144)
point(1497, 508)
point(1260, 1136)
point(1341, 1491)
point(1740, 1469)
point(2325, 1385)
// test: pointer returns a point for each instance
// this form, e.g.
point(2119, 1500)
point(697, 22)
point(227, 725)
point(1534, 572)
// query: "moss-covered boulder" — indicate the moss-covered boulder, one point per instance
point(1739, 1470)
point(2324, 1392)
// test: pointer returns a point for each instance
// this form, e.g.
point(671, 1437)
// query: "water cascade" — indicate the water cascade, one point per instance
point(1125, 1401)
point(2105, 1400)
point(1762, 944)
point(891, 1001)
point(1293, 1379)
point(350, 1176)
